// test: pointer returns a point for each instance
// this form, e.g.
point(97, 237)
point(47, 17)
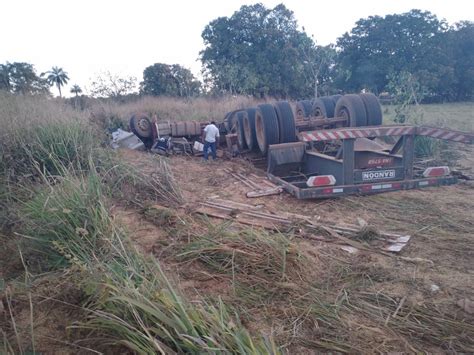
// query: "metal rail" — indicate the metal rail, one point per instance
point(381, 131)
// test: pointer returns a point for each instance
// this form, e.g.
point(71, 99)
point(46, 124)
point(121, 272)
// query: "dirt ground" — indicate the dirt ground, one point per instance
point(440, 272)
point(440, 221)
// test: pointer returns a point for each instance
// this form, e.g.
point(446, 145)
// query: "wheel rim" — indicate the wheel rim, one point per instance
point(300, 114)
point(343, 113)
point(318, 112)
point(143, 124)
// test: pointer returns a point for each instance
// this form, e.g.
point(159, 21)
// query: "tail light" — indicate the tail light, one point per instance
point(436, 171)
point(321, 180)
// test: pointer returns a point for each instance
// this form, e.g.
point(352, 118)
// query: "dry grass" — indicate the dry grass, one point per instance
point(174, 109)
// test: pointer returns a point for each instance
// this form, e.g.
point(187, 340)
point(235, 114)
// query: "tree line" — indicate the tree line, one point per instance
point(262, 51)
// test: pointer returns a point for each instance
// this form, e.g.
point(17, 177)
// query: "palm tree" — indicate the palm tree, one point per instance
point(76, 90)
point(57, 76)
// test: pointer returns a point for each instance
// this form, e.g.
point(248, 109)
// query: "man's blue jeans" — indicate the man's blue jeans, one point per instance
point(208, 145)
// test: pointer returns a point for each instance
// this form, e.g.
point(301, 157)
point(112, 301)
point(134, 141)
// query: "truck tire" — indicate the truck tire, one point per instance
point(303, 109)
point(319, 108)
point(323, 107)
point(286, 121)
point(351, 107)
point(266, 127)
point(230, 121)
point(330, 105)
point(226, 120)
point(335, 98)
point(372, 109)
point(239, 123)
point(140, 125)
point(249, 129)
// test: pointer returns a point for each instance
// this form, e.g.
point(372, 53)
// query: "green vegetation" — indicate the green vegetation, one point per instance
point(57, 76)
point(131, 300)
point(21, 78)
point(76, 90)
point(169, 80)
point(59, 202)
point(261, 51)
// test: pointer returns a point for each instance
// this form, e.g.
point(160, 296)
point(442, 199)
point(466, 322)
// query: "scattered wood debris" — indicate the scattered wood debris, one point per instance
point(327, 231)
point(259, 186)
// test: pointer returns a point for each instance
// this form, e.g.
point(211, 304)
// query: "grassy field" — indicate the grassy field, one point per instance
point(103, 251)
point(450, 115)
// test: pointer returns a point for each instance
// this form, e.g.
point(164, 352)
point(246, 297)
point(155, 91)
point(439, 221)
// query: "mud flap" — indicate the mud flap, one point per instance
point(285, 157)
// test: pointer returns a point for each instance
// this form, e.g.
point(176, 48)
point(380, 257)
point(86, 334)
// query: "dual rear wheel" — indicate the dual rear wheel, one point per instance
point(267, 124)
point(359, 110)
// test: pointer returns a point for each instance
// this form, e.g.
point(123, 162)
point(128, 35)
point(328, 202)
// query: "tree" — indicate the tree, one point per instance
point(257, 51)
point(76, 89)
point(378, 47)
point(459, 43)
point(57, 76)
point(319, 61)
point(21, 78)
point(112, 85)
point(5, 80)
point(170, 80)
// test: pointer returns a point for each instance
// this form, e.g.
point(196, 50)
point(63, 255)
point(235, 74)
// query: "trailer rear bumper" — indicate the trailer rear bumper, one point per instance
point(359, 189)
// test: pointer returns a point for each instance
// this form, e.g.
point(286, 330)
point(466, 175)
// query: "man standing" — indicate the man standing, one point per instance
point(210, 136)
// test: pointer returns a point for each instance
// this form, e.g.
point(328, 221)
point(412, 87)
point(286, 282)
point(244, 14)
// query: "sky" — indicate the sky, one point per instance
point(88, 37)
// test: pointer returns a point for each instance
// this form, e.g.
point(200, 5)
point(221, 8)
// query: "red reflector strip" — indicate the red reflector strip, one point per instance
point(382, 186)
point(435, 171)
point(428, 182)
point(367, 188)
point(321, 180)
point(333, 190)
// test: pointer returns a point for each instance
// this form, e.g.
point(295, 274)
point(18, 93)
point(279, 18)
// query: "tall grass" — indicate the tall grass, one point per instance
point(136, 186)
point(132, 300)
point(262, 266)
point(53, 156)
point(38, 133)
point(270, 279)
point(169, 108)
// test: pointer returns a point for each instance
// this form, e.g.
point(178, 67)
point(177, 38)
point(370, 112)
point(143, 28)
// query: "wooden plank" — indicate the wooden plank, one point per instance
point(247, 214)
point(238, 219)
point(234, 204)
point(267, 192)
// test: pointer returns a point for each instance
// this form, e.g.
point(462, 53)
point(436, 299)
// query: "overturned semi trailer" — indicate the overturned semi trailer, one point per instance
point(360, 165)
point(337, 145)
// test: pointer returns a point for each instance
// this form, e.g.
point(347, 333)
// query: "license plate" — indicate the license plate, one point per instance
point(378, 175)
